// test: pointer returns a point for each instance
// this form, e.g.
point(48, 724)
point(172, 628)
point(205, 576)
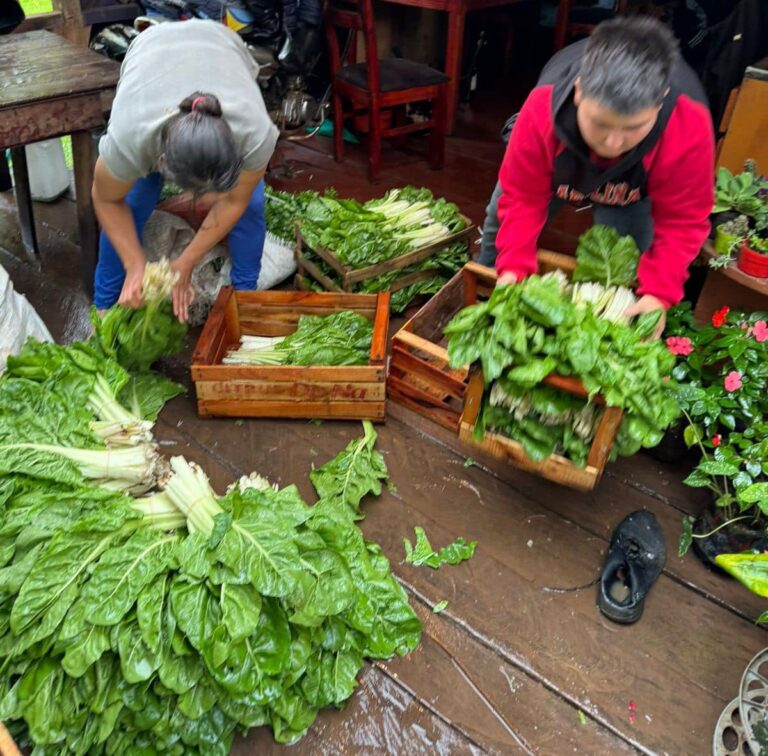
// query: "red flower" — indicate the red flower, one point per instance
point(733, 381)
point(716, 439)
point(719, 316)
point(679, 345)
point(760, 330)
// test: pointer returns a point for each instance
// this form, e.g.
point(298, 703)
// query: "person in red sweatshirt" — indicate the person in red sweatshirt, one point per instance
point(618, 122)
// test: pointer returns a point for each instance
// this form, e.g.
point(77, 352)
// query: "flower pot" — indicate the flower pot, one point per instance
point(753, 263)
point(724, 243)
point(732, 539)
point(717, 219)
point(672, 447)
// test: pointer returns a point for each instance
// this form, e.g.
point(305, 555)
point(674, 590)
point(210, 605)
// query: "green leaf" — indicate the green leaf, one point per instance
point(749, 569)
point(147, 393)
point(692, 435)
point(440, 606)
point(240, 610)
point(422, 552)
point(605, 257)
point(686, 537)
point(753, 494)
point(85, 650)
point(123, 572)
point(353, 473)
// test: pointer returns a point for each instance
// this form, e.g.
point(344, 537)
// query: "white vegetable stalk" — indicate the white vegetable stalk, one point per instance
point(115, 424)
point(160, 511)
point(608, 303)
point(256, 350)
point(190, 492)
point(159, 280)
point(132, 468)
point(254, 480)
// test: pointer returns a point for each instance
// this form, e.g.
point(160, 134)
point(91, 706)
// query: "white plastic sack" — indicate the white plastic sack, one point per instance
point(18, 320)
point(167, 235)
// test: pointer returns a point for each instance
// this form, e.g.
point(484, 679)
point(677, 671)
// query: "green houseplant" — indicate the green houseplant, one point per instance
point(722, 375)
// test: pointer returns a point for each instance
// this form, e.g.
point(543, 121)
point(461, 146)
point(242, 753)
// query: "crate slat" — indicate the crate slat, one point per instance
point(374, 411)
point(555, 468)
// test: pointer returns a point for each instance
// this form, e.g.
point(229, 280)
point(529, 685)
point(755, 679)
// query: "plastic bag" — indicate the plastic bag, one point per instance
point(18, 320)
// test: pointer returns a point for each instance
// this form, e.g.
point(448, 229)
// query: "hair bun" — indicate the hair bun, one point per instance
point(201, 102)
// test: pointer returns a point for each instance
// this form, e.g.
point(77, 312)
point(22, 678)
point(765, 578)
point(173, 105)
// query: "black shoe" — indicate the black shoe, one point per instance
point(635, 558)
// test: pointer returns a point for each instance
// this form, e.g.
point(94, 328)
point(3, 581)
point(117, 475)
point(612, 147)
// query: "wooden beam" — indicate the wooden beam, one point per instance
point(52, 21)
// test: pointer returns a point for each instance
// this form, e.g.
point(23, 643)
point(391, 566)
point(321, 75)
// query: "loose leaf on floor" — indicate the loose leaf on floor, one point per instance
point(353, 474)
point(421, 552)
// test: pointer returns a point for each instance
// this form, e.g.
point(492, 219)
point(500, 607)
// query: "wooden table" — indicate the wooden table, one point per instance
point(457, 11)
point(50, 87)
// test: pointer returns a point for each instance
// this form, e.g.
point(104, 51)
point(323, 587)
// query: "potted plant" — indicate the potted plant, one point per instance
point(742, 194)
point(730, 235)
point(722, 390)
point(753, 259)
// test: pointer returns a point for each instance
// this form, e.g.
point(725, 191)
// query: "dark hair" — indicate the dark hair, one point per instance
point(199, 151)
point(627, 64)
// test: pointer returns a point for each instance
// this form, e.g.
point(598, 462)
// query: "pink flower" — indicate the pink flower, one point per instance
point(743, 326)
point(733, 381)
point(679, 345)
point(760, 330)
point(716, 439)
point(719, 316)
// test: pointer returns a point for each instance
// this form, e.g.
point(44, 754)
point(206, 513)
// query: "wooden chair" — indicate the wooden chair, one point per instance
point(375, 86)
point(582, 20)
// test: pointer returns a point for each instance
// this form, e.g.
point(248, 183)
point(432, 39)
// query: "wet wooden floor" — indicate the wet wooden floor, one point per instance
point(521, 661)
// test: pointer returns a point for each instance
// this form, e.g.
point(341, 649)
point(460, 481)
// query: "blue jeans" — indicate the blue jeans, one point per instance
point(246, 242)
point(634, 220)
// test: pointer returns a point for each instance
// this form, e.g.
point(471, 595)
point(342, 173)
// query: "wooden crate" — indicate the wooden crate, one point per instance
point(290, 391)
point(350, 277)
point(555, 468)
point(420, 377)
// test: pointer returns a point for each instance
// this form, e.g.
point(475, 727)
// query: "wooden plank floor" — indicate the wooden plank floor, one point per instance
point(521, 661)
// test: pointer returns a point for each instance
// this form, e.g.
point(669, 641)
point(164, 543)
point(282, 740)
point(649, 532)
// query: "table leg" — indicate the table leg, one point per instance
point(454, 48)
point(24, 204)
point(83, 158)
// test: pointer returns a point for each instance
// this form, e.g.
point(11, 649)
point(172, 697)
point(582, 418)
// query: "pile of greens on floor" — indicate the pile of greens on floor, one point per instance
point(143, 613)
point(363, 234)
point(342, 338)
point(545, 324)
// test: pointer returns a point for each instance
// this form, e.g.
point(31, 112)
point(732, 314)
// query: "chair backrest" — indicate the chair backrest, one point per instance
point(344, 19)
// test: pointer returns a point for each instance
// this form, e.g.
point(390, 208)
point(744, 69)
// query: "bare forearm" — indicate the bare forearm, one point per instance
point(117, 221)
point(220, 220)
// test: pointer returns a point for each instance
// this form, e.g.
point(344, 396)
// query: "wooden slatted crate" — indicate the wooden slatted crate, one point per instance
point(420, 377)
point(352, 392)
point(350, 277)
point(556, 468)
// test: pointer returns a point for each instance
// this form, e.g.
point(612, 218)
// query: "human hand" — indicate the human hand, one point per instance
point(183, 293)
point(649, 303)
point(131, 294)
point(506, 278)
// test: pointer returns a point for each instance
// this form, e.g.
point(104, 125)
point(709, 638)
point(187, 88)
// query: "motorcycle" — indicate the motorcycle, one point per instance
point(295, 94)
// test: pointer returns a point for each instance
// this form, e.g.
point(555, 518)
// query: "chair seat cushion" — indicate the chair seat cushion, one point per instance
point(395, 74)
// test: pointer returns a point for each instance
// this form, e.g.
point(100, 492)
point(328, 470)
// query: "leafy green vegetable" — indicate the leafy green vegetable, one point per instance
point(607, 258)
point(341, 338)
point(166, 623)
point(421, 553)
point(525, 332)
point(136, 338)
point(356, 472)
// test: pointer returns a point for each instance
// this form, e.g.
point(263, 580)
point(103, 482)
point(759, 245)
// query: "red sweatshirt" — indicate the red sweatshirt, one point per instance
point(674, 166)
